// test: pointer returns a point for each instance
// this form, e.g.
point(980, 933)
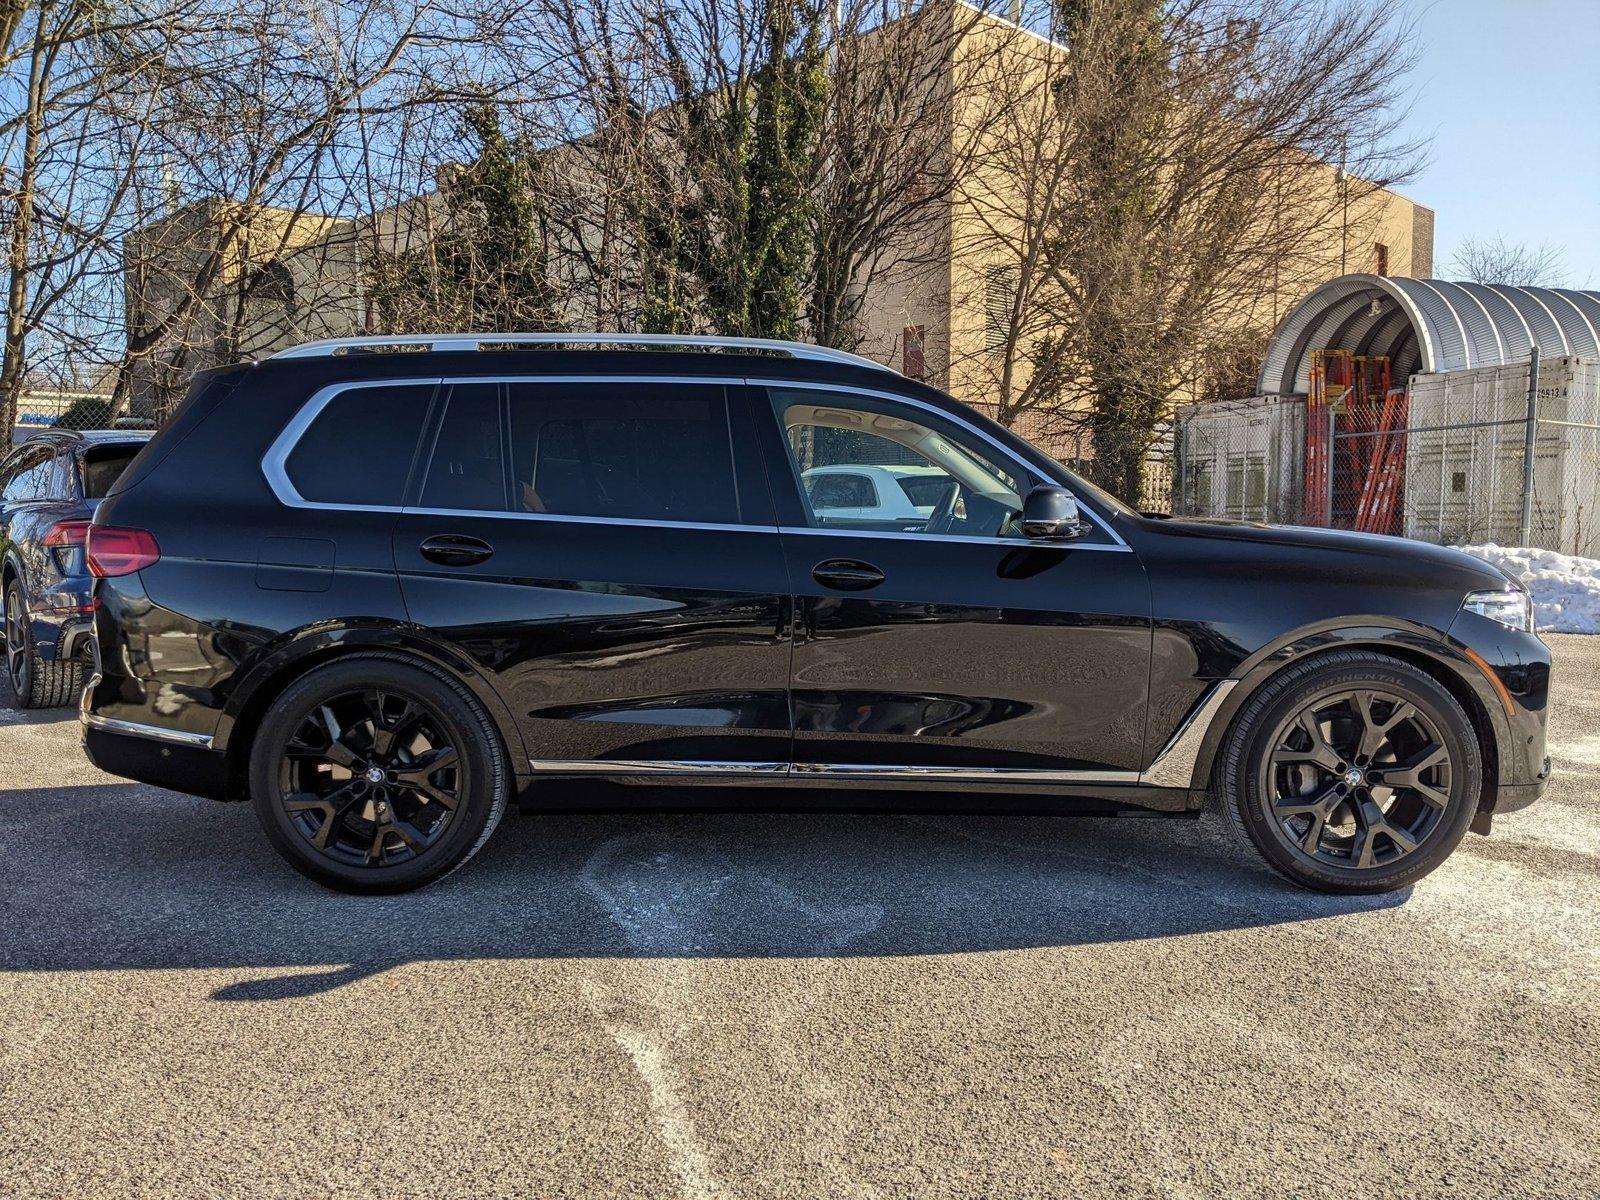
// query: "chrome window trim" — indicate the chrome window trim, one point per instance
point(154, 733)
point(277, 455)
point(897, 398)
point(1013, 543)
point(274, 461)
point(1174, 766)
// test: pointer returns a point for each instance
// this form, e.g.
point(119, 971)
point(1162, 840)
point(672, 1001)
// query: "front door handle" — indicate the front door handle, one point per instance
point(847, 574)
point(456, 550)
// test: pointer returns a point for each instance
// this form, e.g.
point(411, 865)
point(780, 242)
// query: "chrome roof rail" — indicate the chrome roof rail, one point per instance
point(476, 341)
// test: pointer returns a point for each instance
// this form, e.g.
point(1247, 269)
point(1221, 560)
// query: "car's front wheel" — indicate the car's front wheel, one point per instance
point(374, 774)
point(1352, 772)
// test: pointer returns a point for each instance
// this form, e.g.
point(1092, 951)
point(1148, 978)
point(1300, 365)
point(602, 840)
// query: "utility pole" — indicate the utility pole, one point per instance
point(1529, 433)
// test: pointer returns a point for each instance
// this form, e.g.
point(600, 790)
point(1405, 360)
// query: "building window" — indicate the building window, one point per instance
point(999, 298)
point(912, 362)
point(1380, 255)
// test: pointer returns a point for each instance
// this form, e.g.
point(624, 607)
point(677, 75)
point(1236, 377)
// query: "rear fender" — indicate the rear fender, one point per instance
point(292, 655)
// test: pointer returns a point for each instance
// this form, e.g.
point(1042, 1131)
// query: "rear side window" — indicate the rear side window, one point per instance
point(655, 451)
point(467, 470)
point(103, 467)
point(841, 491)
point(30, 472)
point(358, 449)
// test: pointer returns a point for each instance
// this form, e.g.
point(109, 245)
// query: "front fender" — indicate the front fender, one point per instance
point(1421, 646)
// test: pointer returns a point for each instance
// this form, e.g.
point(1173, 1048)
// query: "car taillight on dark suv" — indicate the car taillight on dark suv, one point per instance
point(113, 551)
point(65, 541)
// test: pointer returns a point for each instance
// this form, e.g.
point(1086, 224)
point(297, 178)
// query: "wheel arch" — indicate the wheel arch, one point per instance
point(1413, 645)
point(300, 653)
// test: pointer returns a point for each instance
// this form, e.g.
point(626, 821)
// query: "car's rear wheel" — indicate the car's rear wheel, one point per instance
point(1352, 772)
point(376, 774)
point(36, 683)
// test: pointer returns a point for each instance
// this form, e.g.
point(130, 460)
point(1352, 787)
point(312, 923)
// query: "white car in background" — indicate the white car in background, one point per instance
point(876, 495)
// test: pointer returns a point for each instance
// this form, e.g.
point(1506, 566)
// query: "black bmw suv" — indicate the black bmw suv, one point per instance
point(380, 587)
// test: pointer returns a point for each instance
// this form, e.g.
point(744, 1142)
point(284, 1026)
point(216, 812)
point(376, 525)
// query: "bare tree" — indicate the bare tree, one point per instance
point(1198, 159)
point(72, 153)
point(887, 163)
point(1517, 264)
point(276, 123)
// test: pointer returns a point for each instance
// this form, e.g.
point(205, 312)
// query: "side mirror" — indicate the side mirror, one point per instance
point(1050, 514)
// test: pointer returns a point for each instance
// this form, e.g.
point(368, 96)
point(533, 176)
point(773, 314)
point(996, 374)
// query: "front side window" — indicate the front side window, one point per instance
point(947, 481)
point(359, 447)
point(654, 451)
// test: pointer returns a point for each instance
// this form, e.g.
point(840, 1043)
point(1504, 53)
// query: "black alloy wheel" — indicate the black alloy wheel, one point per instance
point(377, 773)
point(1358, 778)
point(1351, 772)
point(370, 778)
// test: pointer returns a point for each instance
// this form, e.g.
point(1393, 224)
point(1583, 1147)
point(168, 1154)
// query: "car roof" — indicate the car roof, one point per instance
point(89, 437)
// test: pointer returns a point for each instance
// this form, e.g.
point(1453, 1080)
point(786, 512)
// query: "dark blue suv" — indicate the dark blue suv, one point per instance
point(50, 486)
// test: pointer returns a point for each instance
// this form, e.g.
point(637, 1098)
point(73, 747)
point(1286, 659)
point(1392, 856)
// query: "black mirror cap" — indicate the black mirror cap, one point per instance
point(1050, 514)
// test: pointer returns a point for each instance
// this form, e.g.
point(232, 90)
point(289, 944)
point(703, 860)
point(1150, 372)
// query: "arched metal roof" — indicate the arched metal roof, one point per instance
point(1428, 325)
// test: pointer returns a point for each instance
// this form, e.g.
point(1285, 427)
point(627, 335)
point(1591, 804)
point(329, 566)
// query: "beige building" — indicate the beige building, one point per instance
point(963, 312)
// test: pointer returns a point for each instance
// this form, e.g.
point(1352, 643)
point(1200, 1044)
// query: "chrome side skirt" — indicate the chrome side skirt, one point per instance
point(871, 771)
point(626, 767)
point(155, 733)
point(1172, 768)
point(862, 772)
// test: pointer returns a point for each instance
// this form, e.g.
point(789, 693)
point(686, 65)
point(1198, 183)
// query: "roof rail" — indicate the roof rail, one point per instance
point(476, 341)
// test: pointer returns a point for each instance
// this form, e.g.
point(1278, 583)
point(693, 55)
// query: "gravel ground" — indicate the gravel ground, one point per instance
point(814, 1006)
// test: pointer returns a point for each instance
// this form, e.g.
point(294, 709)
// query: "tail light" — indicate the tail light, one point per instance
point(65, 542)
point(113, 551)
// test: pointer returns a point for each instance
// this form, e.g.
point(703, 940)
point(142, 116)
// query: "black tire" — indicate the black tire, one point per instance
point(392, 818)
point(1287, 774)
point(35, 682)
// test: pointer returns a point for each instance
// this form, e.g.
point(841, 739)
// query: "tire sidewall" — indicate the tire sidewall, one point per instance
point(1252, 741)
point(466, 725)
point(22, 688)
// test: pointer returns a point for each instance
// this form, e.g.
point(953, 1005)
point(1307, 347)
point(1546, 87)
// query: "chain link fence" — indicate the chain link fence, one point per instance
point(61, 408)
point(1495, 454)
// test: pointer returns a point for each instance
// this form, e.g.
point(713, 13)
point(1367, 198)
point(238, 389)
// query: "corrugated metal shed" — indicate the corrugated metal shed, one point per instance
point(1428, 325)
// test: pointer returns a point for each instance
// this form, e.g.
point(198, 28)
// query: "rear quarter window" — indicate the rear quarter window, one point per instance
point(358, 449)
point(103, 466)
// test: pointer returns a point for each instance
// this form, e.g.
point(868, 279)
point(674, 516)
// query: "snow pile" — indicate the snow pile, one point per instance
point(1566, 589)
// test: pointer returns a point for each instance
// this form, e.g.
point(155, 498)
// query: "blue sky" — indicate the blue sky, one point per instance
point(1509, 91)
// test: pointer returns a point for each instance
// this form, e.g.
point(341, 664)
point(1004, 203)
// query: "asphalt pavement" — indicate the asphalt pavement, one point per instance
point(659, 1005)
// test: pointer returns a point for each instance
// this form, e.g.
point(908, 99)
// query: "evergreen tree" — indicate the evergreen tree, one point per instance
point(487, 267)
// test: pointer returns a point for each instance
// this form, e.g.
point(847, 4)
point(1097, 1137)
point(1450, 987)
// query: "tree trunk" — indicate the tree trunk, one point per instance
point(14, 364)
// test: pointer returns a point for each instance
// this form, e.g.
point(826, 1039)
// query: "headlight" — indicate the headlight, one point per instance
point(1514, 610)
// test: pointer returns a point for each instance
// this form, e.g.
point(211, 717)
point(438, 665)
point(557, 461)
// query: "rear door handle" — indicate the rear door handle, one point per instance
point(456, 550)
point(847, 574)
